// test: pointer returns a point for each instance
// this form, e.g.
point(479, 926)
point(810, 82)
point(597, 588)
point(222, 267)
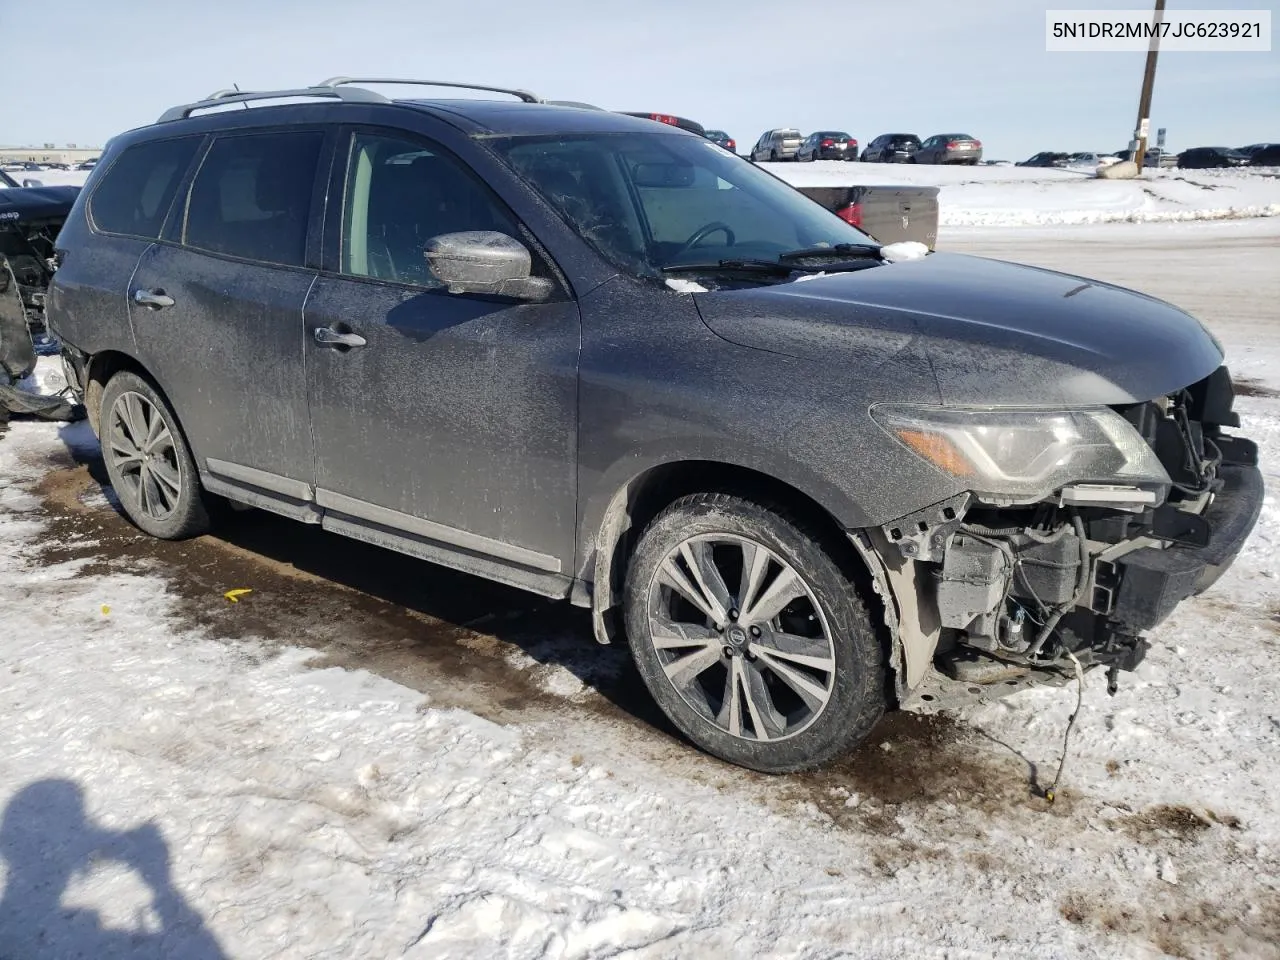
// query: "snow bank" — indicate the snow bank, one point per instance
point(1028, 196)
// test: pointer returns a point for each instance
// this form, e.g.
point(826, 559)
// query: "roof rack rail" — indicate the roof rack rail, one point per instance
point(574, 103)
point(339, 82)
point(222, 97)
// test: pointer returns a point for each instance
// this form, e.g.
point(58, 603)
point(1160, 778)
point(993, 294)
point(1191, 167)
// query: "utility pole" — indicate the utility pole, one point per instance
point(1148, 81)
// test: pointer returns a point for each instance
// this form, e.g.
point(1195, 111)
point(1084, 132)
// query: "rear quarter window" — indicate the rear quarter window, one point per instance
point(252, 196)
point(134, 196)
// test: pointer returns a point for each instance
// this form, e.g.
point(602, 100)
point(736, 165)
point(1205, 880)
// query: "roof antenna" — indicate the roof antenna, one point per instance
point(236, 88)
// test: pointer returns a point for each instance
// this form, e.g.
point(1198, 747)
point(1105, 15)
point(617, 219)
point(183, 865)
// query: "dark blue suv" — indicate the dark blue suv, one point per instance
point(600, 358)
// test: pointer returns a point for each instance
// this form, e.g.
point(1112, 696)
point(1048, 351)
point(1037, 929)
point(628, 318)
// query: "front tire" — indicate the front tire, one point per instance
point(750, 636)
point(148, 460)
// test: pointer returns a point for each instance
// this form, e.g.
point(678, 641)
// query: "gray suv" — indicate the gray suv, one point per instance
point(775, 145)
point(604, 360)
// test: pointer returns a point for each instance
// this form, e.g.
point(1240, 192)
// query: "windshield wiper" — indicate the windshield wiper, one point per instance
point(842, 251)
point(772, 267)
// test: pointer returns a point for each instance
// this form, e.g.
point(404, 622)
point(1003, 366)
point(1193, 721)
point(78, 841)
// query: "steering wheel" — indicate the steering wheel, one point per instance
point(705, 231)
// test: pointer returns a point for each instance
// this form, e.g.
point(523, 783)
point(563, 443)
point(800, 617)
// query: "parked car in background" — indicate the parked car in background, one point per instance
point(1154, 157)
point(950, 148)
point(780, 144)
point(1160, 158)
point(890, 214)
point(828, 145)
point(1267, 155)
point(670, 119)
point(1046, 158)
point(1091, 160)
point(891, 148)
point(566, 350)
point(87, 164)
point(722, 139)
point(1207, 158)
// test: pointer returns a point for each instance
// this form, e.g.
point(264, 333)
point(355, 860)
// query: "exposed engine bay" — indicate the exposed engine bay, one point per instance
point(1008, 593)
point(30, 220)
point(27, 246)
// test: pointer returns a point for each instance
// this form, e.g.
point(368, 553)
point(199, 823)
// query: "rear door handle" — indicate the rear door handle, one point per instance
point(329, 337)
point(152, 298)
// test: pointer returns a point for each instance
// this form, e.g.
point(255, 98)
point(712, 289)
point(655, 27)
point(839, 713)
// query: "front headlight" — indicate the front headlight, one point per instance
point(1019, 455)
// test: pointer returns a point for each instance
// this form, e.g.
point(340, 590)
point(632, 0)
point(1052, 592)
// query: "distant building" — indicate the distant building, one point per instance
point(70, 153)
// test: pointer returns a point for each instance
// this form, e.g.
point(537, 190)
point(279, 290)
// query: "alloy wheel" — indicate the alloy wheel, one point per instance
point(141, 448)
point(741, 637)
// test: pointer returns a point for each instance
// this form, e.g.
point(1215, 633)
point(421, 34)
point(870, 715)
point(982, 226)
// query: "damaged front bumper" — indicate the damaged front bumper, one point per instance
point(1152, 581)
point(986, 599)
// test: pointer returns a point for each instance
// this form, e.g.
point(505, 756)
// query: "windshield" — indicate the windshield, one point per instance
point(834, 135)
point(652, 201)
point(6, 180)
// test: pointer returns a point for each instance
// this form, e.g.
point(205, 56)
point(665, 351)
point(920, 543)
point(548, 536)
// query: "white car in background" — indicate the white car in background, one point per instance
point(1090, 161)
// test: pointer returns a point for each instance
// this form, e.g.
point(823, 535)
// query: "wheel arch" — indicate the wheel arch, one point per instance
point(649, 492)
point(104, 365)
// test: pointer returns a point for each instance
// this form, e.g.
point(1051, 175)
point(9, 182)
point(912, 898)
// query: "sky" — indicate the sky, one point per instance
point(920, 66)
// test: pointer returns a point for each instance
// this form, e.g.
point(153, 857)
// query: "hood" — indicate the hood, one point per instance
point(36, 203)
point(992, 332)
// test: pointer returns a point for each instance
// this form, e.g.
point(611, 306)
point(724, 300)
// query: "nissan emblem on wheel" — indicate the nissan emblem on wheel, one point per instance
point(806, 478)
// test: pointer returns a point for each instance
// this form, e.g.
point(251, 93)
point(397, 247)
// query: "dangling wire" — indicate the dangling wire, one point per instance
point(1066, 737)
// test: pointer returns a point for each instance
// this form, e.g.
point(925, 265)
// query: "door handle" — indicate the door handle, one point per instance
point(152, 298)
point(329, 337)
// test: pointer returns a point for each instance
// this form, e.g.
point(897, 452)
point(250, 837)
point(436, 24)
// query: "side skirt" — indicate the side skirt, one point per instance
point(471, 553)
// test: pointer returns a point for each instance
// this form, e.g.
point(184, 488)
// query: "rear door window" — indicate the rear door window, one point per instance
point(135, 194)
point(252, 196)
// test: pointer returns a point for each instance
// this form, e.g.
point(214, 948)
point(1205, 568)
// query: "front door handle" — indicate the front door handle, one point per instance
point(152, 298)
point(329, 337)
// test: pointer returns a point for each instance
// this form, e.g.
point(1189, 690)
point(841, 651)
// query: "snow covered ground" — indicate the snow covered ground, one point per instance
point(1024, 196)
point(370, 757)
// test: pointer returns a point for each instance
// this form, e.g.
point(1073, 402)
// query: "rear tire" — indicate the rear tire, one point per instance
point(794, 678)
point(148, 461)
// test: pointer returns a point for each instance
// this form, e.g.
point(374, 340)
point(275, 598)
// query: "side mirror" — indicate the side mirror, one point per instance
point(484, 261)
point(32, 182)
